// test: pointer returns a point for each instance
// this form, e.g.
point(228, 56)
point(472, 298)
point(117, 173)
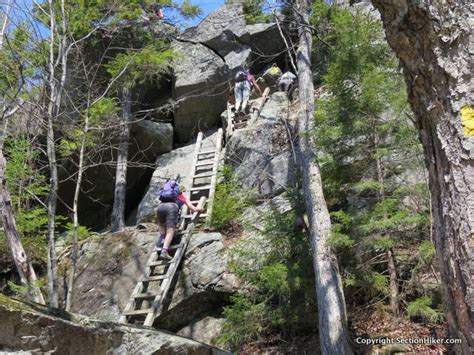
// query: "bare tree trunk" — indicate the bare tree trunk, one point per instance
point(118, 211)
point(433, 42)
point(23, 265)
point(330, 297)
point(392, 272)
point(75, 211)
point(54, 104)
point(391, 263)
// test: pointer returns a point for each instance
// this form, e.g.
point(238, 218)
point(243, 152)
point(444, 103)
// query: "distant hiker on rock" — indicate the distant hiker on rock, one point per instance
point(271, 75)
point(244, 81)
point(172, 199)
point(286, 83)
point(157, 12)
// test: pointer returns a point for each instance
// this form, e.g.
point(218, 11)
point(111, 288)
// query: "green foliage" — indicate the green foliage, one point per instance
point(277, 266)
point(421, 307)
point(427, 252)
point(141, 65)
point(229, 201)
point(82, 232)
point(26, 186)
point(368, 150)
point(254, 12)
point(245, 321)
point(21, 291)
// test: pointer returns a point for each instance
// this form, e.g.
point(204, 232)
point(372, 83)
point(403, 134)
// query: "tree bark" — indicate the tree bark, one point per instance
point(118, 211)
point(394, 294)
point(23, 265)
point(330, 297)
point(432, 41)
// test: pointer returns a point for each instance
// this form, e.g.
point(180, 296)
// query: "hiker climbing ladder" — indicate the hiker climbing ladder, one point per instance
point(153, 287)
point(235, 121)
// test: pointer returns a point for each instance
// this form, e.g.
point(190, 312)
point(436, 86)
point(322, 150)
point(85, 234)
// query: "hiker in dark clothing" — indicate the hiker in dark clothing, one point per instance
point(244, 81)
point(172, 199)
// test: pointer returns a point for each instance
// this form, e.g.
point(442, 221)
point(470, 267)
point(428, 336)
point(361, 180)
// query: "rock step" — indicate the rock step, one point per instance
point(240, 124)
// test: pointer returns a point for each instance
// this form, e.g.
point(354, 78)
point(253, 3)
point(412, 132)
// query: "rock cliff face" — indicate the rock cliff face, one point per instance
point(31, 329)
point(109, 265)
point(184, 102)
point(267, 168)
point(211, 53)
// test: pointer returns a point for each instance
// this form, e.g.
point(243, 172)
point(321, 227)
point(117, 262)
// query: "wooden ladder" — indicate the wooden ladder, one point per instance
point(154, 285)
point(235, 122)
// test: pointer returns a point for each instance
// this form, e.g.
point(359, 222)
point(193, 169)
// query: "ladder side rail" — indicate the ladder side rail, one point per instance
point(230, 122)
point(138, 287)
point(157, 305)
point(215, 169)
point(257, 111)
point(184, 211)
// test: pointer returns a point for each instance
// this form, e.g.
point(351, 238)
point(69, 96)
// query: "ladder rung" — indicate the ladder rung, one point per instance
point(203, 164)
point(171, 247)
point(201, 188)
point(138, 312)
point(203, 175)
point(161, 262)
point(191, 215)
point(144, 295)
point(208, 152)
point(154, 278)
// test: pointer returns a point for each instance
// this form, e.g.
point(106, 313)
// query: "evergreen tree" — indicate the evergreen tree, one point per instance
point(370, 156)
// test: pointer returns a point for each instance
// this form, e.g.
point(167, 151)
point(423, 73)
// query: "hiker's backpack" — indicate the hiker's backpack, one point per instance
point(241, 76)
point(170, 191)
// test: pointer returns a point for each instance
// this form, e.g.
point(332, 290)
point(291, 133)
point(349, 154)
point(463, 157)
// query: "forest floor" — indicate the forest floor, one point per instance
point(363, 325)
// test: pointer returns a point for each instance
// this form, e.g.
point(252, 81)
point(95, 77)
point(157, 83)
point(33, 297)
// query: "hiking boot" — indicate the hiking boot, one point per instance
point(165, 256)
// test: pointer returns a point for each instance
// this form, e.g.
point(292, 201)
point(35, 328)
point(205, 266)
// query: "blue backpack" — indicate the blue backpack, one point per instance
point(170, 191)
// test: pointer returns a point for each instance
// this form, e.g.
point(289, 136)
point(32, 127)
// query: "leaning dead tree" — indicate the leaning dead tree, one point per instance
point(23, 265)
point(433, 41)
point(333, 332)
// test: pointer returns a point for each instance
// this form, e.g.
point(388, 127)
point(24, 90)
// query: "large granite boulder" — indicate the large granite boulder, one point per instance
point(220, 29)
point(108, 268)
point(211, 53)
point(152, 138)
point(27, 328)
point(267, 168)
point(203, 286)
point(199, 89)
point(110, 265)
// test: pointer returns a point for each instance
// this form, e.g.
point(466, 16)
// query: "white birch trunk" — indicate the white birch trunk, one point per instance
point(118, 211)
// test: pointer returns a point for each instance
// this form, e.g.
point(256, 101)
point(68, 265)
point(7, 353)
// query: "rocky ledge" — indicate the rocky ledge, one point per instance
point(29, 328)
